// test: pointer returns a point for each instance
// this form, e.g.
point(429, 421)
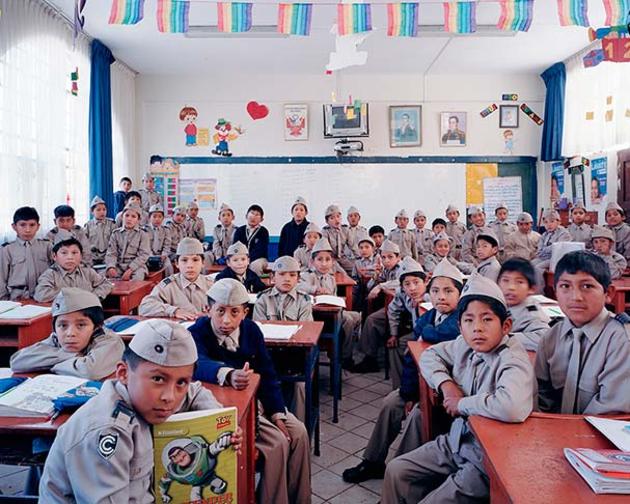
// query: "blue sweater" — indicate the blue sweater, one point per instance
point(252, 281)
point(251, 348)
point(291, 237)
point(258, 244)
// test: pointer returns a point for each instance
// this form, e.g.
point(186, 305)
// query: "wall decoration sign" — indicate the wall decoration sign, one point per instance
point(296, 121)
point(225, 133)
point(188, 115)
point(508, 116)
point(202, 191)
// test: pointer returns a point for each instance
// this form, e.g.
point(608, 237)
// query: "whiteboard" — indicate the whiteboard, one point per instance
point(379, 191)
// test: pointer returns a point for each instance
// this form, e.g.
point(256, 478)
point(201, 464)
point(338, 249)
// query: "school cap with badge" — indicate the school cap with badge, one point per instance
point(285, 264)
point(367, 239)
point(225, 208)
point(445, 269)
point(410, 267)
point(353, 210)
point(164, 343)
point(451, 208)
point(321, 245)
point(474, 210)
point(402, 214)
point(525, 218)
point(192, 205)
point(551, 214)
point(479, 285)
point(180, 210)
point(147, 176)
point(236, 249)
point(500, 206)
point(488, 235)
point(331, 210)
point(613, 205)
point(603, 232)
point(63, 235)
point(72, 299)
point(228, 292)
point(189, 246)
point(312, 228)
point(419, 213)
point(156, 209)
point(579, 205)
point(97, 200)
point(389, 246)
point(299, 201)
point(133, 207)
point(441, 236)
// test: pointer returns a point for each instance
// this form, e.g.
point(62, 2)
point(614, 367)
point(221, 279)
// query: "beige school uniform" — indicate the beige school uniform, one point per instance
point(196, 228)
point(432, 260)
point(355, 233)
point(176, 292)
point(622, 238)
point(177, 232)
point(56, 278)
point(96, 362)
point(469, 244)
point(529, 323)
point(21, 264)
point(616, 263)
point(502, 230)
point(401, 304)
point(143, 221)
point(79, 234)
point(150, 198)
point(98, 233)
point(582, 233)
point(406, 241)
point(499, 385)
point(489, 268)
point(104, 453)
point(129, 249)
point(222, 238)
point(601, 378)
point(160, 243)
point(456, 231)
point(387, 279)
point(338, 239)
point(543, 256)
point(303, 256)
point(424, 243)
point(275, 305)
point(523, 245)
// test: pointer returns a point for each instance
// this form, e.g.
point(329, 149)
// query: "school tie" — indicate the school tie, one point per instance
point(439, 318)
point(281, 306)
point(31, 274)
point(569, 392)
point(230, 344)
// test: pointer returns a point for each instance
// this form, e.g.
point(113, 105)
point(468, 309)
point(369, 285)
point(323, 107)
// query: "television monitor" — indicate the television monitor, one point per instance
point(343, 121)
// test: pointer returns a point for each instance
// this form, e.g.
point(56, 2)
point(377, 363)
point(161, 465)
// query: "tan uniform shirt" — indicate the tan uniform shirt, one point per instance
point(522, 245)
point(128, 248)
point(159, 240)
point(388, 278)
point(222, 238)
point(21, 264)
point(355, 233)
point(489, 268)
point(311, 280)
point(275, 305)
point(529, 323)
point(549, 238)
point(406, 241)
point(150, 198)
point(56, 278)
point(622, 239)
point(616, 263)
point(502, 230)
point(303, 256)
point(469, 245)
point(177, 232)
point(98, 234)
point(582, 233)
point(195, 228)
point(432, 260)
point(456, 231)
point(176, 292)
point(424, 242)
point(338, 239)
point(79, 234)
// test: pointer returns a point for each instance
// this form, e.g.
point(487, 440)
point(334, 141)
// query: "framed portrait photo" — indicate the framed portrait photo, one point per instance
point(405, 125)
point(508, 116)
point(453, 129)
point(296, 121)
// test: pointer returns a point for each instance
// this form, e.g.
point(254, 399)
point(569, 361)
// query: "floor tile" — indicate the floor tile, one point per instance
point(375, 485)
point(365, 396)
point(360, 381)
point(365, 430)
point(316, 500)
point(330, 455)
point(326, 485)
point(347, 403)
point(349, 421)
point(344, 464)
point(356, 495)
point(329, 431)
point(349, 442)
point(382, 388)
point(367, 411)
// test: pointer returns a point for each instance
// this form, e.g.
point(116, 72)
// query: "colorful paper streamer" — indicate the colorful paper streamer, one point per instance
point(295, 18)
point(402, 19)
point(126, 12)
point(516, 15)
point(354, 18)
point(460, 17)
point(234, 17)
point(172, 16)
point(617, 12)
point(573, 12)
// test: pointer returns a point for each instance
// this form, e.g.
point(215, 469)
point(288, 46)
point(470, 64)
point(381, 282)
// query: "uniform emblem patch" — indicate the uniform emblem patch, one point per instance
point(107, 445)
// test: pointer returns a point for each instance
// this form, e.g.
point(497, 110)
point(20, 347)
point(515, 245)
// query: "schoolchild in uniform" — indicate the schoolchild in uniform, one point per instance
point(583, 362)
point(423, 236)
point(65, 221)
point(355, 233)
point(456, 230)
point(579, 230)
point(256, 237)
point(230, 348)
point(517, 281)
point(469, 240)
point(23, 260)
point(615, 216)
point(483, 372)
point(183, 295)
point(554, 233)
point(223, 234)
point(98, 230)
point(302, 254)
point(403, 237)
point(195, 226)
point(336, 234)
point(363, 271)
point(523, 242)
point(377, 233)
point(79, 345)
point(148, 194)
point(133, 198)
point(120, 196)
point(67, 271)
point(386, 273)
point(104, 452)
point(292, 233)
point(502, 228)
point(176, 227)
point(436, 325)
point(442, 250)
point(128, 248)
point(604, 247)
point(159, 239)
point(238, 268)
point(486, 250)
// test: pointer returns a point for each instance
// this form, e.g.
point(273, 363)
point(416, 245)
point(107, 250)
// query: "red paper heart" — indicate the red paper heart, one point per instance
point(256, 110)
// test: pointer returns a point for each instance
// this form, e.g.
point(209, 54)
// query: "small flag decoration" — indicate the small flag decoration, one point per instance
point(516, 15)
point(354, 18)
point(295, 19)
point(573, 12)
point(172, 16)
point(402, 20)
point(126, 12)
point(617, 12)
point(234, 17)
point(460, 17)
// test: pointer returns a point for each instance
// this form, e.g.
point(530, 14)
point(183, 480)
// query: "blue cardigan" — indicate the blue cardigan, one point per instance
point(252, 282)
point(213, 357)
point(258, 245)
point(291, 237)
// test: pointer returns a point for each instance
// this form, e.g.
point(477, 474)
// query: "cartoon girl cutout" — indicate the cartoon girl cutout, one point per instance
point(189, 116)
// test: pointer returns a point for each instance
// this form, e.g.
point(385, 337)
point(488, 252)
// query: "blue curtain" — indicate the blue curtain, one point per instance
point(555, 78)
point(100, 128)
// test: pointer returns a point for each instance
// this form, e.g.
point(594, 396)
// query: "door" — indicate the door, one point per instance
point(623, 180)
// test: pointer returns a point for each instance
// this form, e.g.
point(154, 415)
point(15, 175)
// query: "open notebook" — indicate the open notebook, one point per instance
point(277, 331)
point(15, 310)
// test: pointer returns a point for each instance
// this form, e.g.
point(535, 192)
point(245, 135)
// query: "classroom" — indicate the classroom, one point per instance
point(345, 251)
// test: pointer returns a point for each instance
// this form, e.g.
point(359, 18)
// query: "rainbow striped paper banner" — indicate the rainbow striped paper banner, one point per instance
point(234, 17)
point(126, 12)
point(295, 19)
point(402, 20)
point(617, 12)
point(573, 12)
point(460, 17)
point(516, 15)
point(172, 16)
point(353, 18)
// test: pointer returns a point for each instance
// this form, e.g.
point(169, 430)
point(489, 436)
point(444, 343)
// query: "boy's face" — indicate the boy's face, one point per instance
point(99, 212)
point(485, 250)
point(378, 238)
point(452, 216)
point(298, 213)
point(501, 214)
point(366, 250)
point(193, 212)
point(323, 262)
point(226, 217)
point(239, 263)
point(26, 229)
point(156, 392)
point(179, 218)
point(581, 297)
point(74, 331)
point(420, 222)
point(401, 222)
point(442, 247)
point(285, 281)
point(414, 287)
point(149, 183)
point(310, 239)
point(390, 259)
point(614, 217)
point(551, 224)
point(478, 219)
point(64, 223)
point(524, 227)
point(157, 218)
point(354, 218)
point(578, 216)
point(125, 185)
point(190, 266)
point(444, 295)
point(130, 219)
point(135, 200)
point(439, 228)
point(226, 319)
point(515, 287)
point(254, 218)
point(181, 458)
point(481, 327)
point(334, 220)
point(68, 257)
point(602, 245)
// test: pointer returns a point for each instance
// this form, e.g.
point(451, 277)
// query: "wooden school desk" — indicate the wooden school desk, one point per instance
point(344, 287)
point(126, 296)
point(155, 277)
point(20, 333)
point(526, 464)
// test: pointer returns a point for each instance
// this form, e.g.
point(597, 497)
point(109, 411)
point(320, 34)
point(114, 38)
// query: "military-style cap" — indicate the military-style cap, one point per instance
point(97, 200)
point(441, 236)
point(479, 285)
point(474, 210)
point(603, 232)
point(285, 264)
point(62, 235)
point(524, 217)
point(157, 208)
point(352, 210)
point(367, 239)
point(321, 245)
point(445, 269)
point(500, 206)
point(189, 246)
point(134, 208)
point(331, 209)
point(228, 292)
point(613, 205)
point(71, 299)
point(312, 228)
point(236, 249)
point(179, 209)
point(419, 213)
point(579, 204)
point(164, 343)
point(551, 214)
point(390, 246)
point(451, 208)
point(147, 176)
point(192, 204)
point(299, 201)
point(489, 235)
point(408, 266)
point(224, 207)
point(402, 213)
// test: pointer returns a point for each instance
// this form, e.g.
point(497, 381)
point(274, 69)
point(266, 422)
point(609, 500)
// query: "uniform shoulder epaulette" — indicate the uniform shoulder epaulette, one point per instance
point(76, 227)
point(532, 307)
point(624, 319)
point(54, 230)
point(267, 290)
point(123, 409)
point(110, 219)
point(145, 228)
point(6, 243)
point(166, 281)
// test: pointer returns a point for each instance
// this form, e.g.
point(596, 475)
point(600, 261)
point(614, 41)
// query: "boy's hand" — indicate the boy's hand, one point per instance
point(408, 407)
point(452, 394)
point(450, 405)
point(126, 276)
point(373, 294)
point(182, 314)
point(111, 273)
point(239, 378)
point(237, 440)
point(283, 428)
point(392, 342)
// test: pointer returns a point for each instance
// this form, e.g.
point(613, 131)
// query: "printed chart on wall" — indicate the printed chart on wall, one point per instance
point(599, 175)
point(202, 191)
point(507, 190)
point(166, 177)
point(557, 183)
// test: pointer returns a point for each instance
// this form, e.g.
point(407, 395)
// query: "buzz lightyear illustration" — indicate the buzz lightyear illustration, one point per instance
point(192, 461)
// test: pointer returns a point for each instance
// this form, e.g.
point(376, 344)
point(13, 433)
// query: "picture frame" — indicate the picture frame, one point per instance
point(295, 122)
point(453, 129)
point(405, 126)
point(508, 116)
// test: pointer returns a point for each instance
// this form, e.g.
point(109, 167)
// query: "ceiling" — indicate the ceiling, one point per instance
point(147, 51)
